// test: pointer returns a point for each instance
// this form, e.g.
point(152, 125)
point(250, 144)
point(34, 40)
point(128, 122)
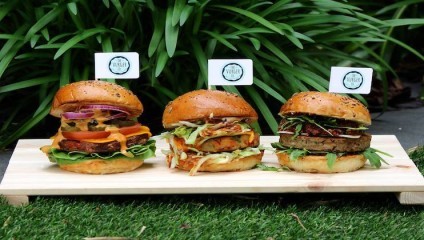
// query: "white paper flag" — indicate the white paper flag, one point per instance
point(230, 72)
point(117, 65)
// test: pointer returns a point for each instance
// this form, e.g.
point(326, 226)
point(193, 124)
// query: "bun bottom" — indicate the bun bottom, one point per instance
point(240, 164)
point(100, 166)
point(318, 164)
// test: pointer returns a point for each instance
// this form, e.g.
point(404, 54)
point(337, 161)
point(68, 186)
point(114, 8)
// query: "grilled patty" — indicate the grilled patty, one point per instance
point(220, 144)
point(75, 145)
point(327, 144)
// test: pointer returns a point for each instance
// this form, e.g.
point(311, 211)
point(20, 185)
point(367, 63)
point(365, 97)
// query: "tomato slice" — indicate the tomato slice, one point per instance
point(130, 129)
point(80, 135)
point(85, 135)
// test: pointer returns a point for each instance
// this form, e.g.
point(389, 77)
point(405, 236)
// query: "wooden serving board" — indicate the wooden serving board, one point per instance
point(31, 174)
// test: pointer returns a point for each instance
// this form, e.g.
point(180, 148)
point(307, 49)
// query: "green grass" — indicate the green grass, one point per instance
point(254, 216)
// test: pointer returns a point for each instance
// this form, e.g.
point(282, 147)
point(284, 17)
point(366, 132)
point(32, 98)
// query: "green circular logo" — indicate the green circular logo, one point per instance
point(119, 65)
point(232, 72)
point(353, 80)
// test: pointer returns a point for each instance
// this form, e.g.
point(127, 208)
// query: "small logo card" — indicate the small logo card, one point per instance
point(230, 72)
point(117, 65)
point(350, 80)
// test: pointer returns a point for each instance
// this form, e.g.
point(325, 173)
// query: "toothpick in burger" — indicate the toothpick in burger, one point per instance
point(210, 131)
point(99, 132)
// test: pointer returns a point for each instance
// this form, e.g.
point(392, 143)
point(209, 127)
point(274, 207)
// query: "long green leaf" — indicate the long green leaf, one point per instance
point(263, 108)
point(161, 63)
point(275, 50)
point(65, 73)
point(171, 34)
point(46, 19)
point(72, 6)
point(25, 127)
point(221, 39)
point(185, 14)
point(27, 83)
point(76, 39)
point(253, 16)
point(202, 61)
point(118, 7)
point(268, 90)
point(159, 28)
point(178, 9)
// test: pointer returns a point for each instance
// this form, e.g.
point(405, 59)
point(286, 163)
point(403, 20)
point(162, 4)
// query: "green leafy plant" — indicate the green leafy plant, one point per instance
point(46, 44)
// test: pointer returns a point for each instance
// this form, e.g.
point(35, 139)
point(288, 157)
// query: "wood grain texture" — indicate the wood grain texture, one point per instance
point(30, 173)
point(411, 198)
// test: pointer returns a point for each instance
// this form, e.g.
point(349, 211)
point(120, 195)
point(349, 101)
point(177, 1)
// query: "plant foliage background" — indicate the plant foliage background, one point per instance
point(293, 44)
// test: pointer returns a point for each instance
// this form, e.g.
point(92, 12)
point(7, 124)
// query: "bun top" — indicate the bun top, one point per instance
point(74, 95)
point(327, 105)
point(203, 104)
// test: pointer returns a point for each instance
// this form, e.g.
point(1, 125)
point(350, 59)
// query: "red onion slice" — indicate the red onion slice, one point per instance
point(106, 107)
point(77, 115)
point(119, 115)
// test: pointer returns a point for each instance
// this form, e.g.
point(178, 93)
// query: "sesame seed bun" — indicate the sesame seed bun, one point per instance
point(328, 105)
point(203, 104)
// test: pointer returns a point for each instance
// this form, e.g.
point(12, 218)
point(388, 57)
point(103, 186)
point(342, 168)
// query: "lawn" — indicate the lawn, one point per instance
point(254, 216)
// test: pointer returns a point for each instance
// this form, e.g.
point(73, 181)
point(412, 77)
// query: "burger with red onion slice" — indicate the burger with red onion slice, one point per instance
point(99, 132)
point(325, 133)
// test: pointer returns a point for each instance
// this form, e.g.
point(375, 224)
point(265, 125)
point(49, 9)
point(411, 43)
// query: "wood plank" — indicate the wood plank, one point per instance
point(17, 200)
point(30, 173)
point(411, 198)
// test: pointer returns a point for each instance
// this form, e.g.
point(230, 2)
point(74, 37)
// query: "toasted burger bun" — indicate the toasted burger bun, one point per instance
point(100, 166)
point(240, 164)
point(327, 105)
point(318, 164)
point(203, 104)
point(72, 96)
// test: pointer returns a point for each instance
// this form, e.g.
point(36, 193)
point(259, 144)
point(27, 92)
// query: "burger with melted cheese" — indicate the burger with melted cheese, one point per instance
point(324, 133)
point(99, 132)
point(210, 131)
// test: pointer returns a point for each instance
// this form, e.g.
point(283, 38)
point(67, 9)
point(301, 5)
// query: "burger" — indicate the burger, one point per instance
point(211, 131)
point(99, 132)
point(324, 132)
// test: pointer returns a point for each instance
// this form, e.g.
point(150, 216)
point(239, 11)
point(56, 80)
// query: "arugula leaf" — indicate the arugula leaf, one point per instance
point(331, 159)
point(297, 131)
point(264, 167)
point(297, 153)
point(375, 159)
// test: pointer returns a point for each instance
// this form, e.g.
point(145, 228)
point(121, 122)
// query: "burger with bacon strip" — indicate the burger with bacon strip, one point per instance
point(210, 131)
point(99, 132)
point(325, 133)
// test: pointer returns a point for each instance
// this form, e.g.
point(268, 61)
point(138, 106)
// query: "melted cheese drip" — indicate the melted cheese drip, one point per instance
point(100, 117)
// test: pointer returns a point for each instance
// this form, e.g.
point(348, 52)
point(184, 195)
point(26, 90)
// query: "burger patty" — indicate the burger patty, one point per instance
point(219, 144)
point(89, 147)
point(327, 144)
point(313, 130)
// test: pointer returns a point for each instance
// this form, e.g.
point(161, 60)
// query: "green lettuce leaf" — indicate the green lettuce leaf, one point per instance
point(140, 152)
point(370, 154)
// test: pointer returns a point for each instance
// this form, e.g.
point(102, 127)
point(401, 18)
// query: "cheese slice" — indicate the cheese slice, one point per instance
point(143, 130)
